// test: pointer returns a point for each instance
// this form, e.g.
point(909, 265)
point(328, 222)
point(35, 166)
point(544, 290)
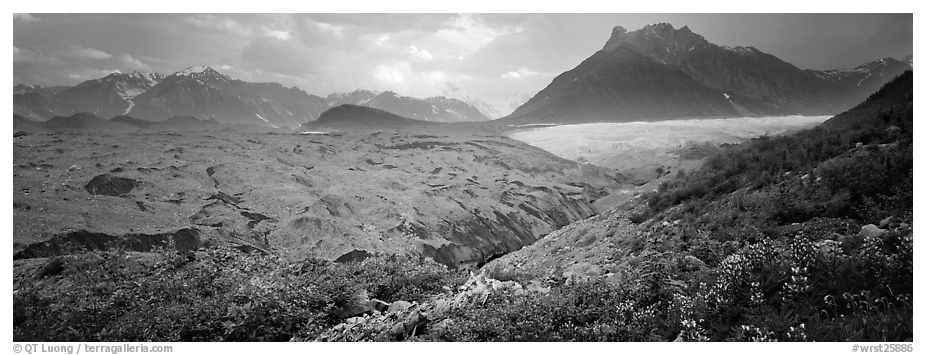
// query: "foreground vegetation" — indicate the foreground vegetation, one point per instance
point(213, 295)
point(765, 243)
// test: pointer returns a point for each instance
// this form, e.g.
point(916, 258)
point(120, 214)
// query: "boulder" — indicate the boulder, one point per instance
point(886, 223)
point(871, 231)
point(110, 185)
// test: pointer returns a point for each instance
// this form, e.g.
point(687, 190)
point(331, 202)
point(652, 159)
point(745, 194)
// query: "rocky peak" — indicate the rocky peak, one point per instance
point(661, 40)
point(202, 73)
point(617, 37)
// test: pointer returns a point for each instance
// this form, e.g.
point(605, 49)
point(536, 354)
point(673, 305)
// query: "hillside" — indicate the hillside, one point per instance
point(765, 236)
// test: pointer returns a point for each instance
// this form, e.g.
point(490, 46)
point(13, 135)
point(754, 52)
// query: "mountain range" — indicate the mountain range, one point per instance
point(657, 72)
point(660, 72)
point(206, 94)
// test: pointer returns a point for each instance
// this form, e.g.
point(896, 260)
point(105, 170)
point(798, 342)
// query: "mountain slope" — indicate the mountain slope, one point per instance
point(661, 72)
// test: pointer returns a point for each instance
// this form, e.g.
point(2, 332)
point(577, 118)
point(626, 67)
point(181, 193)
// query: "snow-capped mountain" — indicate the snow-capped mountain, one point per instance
point(105, 97)
point(661, 72)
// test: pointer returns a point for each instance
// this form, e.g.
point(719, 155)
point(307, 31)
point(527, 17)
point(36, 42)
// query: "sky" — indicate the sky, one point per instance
point(499, 59)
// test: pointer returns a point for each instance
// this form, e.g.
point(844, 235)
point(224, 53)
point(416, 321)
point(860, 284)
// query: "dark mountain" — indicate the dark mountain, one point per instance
point(352, 116)
point(661, 72)
point(39, 107)
point(187, 123)
point(84, 121)
point(21, 123)
point(434, 109)
point(129, 120)
point(890, 106)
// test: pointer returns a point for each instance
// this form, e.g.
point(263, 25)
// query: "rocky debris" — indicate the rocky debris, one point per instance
point(20, 134)
point(254, 218)
point(406, 320)
point(224, 197)
point(110, 185)
point(83, 241)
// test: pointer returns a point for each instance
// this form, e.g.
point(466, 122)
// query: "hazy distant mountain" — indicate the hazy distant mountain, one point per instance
point(434, 109)
point(22, 89)
point(661, 72)
point(353, 116)
point(204, 93)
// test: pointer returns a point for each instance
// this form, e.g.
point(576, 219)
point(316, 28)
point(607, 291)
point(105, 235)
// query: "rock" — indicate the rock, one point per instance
point(20, 134)
point(110, 185)
point(74, 168)
point(903, 225)
point(871, 231)
point(353, 256)
point(399, 306)
point(886, 223)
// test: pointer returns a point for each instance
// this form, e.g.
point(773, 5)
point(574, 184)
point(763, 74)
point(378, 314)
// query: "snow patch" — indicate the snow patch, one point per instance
point(265, 120)
point(128, 109)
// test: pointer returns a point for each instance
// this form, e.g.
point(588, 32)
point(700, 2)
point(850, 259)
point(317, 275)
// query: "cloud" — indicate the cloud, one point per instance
point(389, 74)
point(419, 54)
point(274, 55)
point(217, 24)
point(282, 35)
point(23, 17)
point(80, 52)
point(134, 64)
point(520, 73)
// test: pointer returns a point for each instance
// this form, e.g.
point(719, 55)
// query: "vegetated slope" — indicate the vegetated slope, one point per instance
point(660, 72)
point(765, 242)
